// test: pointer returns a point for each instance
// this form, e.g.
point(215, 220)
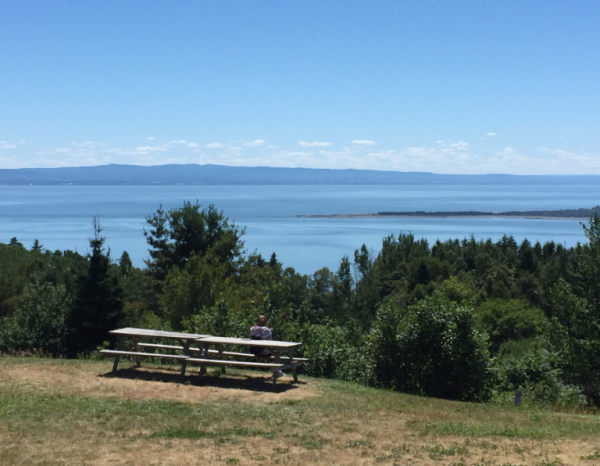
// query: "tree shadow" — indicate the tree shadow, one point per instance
point(235, 381)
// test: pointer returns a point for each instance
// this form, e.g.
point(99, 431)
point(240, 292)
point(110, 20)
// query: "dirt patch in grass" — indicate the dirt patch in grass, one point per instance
point(158, 383)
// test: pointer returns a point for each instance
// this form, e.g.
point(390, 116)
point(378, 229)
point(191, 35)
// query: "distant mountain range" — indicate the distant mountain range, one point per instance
point(169, 175)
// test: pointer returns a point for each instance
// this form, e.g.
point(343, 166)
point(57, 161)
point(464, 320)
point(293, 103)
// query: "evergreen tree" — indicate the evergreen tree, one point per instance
point(179, 234)
point(99, 305)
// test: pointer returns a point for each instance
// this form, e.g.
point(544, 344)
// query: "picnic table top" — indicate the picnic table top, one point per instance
point(143, 332)
point(198, 338)
point(247, 342)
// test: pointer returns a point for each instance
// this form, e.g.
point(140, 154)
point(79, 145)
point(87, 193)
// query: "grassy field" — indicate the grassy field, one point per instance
point(55, 412)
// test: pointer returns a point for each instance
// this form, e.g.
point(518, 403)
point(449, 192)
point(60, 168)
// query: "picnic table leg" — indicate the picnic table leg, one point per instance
point(186, 351)
point(277, 361)
point(118, 357)
point(221, 356)
point(138, 359)
point(294, 371)
point(203, 353)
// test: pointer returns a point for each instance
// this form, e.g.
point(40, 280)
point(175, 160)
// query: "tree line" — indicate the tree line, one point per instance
point(460, 319)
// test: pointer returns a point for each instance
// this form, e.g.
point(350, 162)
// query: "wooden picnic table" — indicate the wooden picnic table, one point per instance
point(282, 351)
point(138, 334)
point(281, 361)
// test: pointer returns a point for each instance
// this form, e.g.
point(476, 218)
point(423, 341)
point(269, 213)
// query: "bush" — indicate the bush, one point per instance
point(506, 320)
point(433, 349)
point(218, 320)
point(335, 352)
point(39, 323)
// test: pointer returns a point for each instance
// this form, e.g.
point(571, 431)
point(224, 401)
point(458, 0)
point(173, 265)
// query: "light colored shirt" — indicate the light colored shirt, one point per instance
point(261, 333)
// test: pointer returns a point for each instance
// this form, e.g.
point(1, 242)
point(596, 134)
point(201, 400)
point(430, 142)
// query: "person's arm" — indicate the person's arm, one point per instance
point(266, 334)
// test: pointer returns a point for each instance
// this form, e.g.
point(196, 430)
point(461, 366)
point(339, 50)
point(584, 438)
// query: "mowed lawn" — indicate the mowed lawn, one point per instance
point(55, 412)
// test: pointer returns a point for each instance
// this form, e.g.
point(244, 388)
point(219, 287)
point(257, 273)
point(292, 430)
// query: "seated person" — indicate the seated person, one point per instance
point(261, 331)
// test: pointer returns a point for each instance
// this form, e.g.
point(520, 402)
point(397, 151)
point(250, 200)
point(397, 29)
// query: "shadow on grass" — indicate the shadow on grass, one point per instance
point(234, 381)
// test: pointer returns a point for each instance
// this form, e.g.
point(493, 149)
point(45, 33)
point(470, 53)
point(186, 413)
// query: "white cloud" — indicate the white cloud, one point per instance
point(255, 143)
point(146, 149)
point(314, 144)
point(491, 134)
point(11, 145)
point(364, 142)
point(443, 156)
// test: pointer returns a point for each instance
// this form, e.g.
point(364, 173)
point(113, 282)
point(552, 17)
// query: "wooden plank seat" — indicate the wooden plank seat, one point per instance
point(287, 358)
point(225, 362)
point(274, 367)
point(196, 350)
point(114, 353)
point(212, 351)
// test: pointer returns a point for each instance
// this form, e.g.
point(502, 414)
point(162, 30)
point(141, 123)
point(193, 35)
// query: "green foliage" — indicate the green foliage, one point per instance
point(16, 265)
point(199, 285)
point(575, 334)
point(177, 235)
point(99, 304)
point(335, 352)
point(505, 320)
point(39, 324)
point(433, 349)
point(219, 319)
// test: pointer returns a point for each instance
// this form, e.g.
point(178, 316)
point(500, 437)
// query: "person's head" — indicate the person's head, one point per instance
point(262, 321)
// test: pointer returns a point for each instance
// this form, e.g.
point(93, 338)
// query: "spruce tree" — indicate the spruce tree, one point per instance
point(99, 304)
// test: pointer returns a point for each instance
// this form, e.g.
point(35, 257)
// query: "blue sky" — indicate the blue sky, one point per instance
point(439, 86)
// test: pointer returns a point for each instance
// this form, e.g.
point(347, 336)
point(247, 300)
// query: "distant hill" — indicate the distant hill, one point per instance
point(105, 175)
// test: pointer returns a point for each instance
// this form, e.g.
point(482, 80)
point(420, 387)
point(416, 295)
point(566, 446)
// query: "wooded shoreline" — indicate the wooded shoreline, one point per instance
point(565, 214)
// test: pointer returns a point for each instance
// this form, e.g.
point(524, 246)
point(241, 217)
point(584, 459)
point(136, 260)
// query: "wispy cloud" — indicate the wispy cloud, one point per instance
point(443, 156)
point(255, 143)
point(490, 134)
point(146, 149)
point(314, 144)
point(11, 145)
point(364, 142)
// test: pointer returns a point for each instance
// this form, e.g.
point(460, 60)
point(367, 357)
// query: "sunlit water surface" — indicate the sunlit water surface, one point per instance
point(60, 216)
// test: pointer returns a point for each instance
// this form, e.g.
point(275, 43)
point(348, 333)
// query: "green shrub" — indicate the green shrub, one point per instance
point(433, 349)
point(39, 323)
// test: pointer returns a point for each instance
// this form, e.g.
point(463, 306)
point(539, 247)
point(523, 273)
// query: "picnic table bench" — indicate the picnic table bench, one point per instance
point(282, 352)
point(276, 348)
point(138, 334)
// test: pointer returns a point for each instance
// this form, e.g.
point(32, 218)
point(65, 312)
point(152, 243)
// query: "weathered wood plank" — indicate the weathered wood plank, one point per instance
point(196, 350)
point(143, 332)
point(248, 342)
point(221, 362)
point(115, 353)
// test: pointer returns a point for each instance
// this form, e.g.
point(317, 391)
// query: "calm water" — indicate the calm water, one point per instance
point(60, 216)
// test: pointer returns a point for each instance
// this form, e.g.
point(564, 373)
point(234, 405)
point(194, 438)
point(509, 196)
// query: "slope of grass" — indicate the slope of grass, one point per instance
point(77, 412)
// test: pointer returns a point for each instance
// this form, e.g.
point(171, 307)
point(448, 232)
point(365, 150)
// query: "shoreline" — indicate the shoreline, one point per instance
point(369, 216)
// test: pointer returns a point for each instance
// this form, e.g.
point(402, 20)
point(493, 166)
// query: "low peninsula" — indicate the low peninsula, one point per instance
point(564, 214)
